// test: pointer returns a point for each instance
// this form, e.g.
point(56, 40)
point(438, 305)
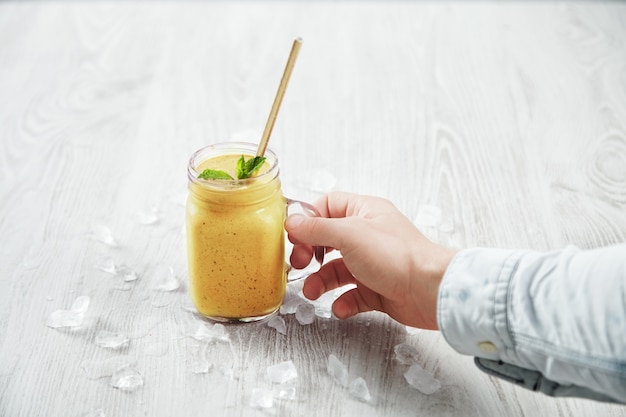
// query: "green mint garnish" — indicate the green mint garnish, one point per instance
point(212, 174)
point(245, 169)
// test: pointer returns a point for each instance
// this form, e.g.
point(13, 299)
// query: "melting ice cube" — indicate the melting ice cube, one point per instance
point(103, 234)
point(358, 388)
point(165, 279)
point(421, 380)
point(111, 340)
point(107, 265)
point(406, 354)
point(69, 318)
point(305, 313)
point(278, 323)
point(337, 370)
point(209, 332)
point(282, 372)
point(127, 379)
point(126, 273)
point(290, 303)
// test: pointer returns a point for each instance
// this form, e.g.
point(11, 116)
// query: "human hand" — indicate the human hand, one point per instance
point(396, 269)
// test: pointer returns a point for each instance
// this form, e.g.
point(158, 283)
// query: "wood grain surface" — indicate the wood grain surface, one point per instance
point(488, 124)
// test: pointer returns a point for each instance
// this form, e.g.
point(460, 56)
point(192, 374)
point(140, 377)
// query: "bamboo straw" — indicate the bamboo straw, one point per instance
point(295, 48)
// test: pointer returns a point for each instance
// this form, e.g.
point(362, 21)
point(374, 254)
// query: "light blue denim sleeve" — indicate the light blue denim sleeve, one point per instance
point(552, 322)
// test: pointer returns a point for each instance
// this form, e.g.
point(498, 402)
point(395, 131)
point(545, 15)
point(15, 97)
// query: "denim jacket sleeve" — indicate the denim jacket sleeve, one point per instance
point(552, 322)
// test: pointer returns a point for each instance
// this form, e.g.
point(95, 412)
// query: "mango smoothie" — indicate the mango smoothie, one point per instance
point(235, 241)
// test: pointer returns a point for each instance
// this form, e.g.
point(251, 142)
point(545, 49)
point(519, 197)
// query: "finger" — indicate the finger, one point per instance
point(319, 231)
point(332, 275)
point(301, 256)
point(350, 304)
point(341, 204)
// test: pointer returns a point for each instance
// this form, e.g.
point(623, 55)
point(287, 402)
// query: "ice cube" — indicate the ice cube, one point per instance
point(278, 323)
point(127, 379)
point(305, 313)
point(165, 279)
point(290, 303)
point(209, 332)
point(324, 304)
point(111, 340)
point(406, 354)
point(103, 234)
point(337, 370)
point(421, 380)
point(358, 388)
point(69, 318)
point(262, 398)
point(126, 273)
point(282, 372)
point(107, 265)
point(218, 332)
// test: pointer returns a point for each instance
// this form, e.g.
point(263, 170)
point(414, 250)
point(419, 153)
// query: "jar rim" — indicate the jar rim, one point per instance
point(230, 148)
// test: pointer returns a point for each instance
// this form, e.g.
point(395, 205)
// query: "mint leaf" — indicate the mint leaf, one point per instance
point(253, 165)
point(245, 169)
point(241, 168)
point(213, 174)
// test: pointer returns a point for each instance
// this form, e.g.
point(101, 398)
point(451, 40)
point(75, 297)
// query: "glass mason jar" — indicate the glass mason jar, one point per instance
point(236, 238)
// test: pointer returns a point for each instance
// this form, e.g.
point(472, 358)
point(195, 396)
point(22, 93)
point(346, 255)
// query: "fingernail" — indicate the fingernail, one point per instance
point(294, 221)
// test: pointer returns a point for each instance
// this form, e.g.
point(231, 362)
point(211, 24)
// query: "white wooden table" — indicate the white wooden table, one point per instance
point(488, 124)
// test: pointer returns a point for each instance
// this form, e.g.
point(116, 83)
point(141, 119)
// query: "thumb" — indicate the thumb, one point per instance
point(317, 231)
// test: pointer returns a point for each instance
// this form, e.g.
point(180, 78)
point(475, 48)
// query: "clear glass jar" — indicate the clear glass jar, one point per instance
point(236, 238)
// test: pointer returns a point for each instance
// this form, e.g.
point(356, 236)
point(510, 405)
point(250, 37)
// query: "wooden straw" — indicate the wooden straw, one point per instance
point(295, 48)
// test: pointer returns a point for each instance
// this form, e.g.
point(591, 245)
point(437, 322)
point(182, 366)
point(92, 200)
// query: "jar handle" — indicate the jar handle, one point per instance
point(318, 251)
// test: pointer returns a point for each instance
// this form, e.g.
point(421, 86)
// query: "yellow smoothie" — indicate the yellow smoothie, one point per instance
point(235, 242)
